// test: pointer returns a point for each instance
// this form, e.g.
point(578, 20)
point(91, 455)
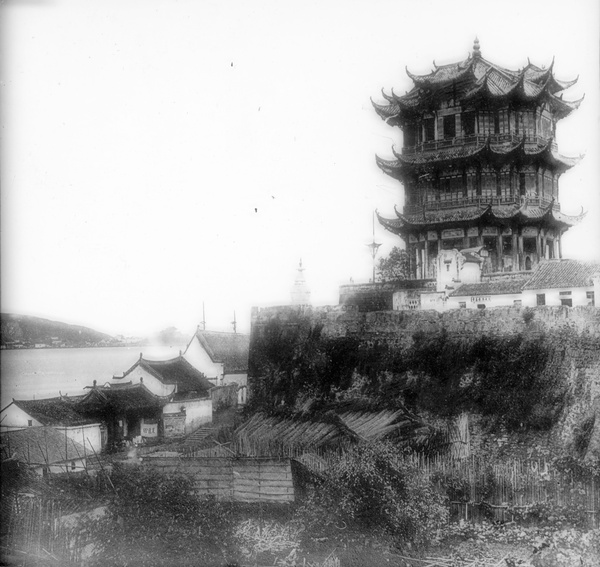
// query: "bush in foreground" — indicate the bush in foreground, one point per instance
point(372, 490)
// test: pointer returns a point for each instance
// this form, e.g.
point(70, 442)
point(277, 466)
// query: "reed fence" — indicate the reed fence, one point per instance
point(35, 534)
point(477, 489)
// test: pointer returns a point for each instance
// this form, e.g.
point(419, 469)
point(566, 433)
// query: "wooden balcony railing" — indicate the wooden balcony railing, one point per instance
point(478, 202)
point(477, 139)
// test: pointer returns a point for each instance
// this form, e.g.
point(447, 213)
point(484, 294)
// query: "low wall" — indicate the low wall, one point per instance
point(197, 412)
point(233, 479)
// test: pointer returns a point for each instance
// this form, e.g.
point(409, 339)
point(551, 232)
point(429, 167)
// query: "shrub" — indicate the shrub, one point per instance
point(156, 519)
point(370, 488)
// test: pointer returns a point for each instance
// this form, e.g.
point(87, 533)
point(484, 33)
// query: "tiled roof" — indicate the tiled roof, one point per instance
point(489, 288)
point(473, 212)
point(40, 446)
point(483, 147)
point(53, 411)
point(177, 371)
point(230, 349)
point(136, 396)
point(478, 76)
point(559, 274)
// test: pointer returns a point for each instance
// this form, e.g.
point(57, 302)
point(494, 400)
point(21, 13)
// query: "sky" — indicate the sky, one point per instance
point(160, 155)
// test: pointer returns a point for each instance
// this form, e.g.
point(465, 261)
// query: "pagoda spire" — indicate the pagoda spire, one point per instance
point(300, 291)
point(476, 48)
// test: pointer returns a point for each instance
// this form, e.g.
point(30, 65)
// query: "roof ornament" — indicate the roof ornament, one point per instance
point(476, 49)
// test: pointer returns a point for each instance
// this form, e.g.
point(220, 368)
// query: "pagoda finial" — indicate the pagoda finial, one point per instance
point(476, 49)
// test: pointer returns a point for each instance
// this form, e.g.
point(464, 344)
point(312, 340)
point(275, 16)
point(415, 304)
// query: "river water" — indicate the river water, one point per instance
point(27, 374)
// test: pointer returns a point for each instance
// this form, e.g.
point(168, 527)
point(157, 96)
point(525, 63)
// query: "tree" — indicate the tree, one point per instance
point(395, 266)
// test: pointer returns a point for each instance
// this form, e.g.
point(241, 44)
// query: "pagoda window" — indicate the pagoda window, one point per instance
point(428, 129)
point(410, 136)
point(478, 182)
point(496, 122)
point(522, 186)
point(464, 184)
point(498, 185)
point(449, 126)
point(489, 183)
point(505, 118)
point(546, 127)
point(468, 120)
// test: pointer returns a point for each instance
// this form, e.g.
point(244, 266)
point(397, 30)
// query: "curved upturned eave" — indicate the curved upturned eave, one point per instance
point(562, 108)
point(552, 158)
point(436, 78)
point(386, 111)
point(390, 167)
point(394, 226)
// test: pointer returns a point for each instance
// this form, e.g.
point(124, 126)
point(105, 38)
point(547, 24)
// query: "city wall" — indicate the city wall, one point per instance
point(573, 333)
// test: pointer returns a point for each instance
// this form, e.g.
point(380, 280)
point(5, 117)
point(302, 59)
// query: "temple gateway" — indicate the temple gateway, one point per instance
point(479, 165)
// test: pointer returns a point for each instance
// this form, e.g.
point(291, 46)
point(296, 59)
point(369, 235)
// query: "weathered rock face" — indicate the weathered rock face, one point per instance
point(572, 334)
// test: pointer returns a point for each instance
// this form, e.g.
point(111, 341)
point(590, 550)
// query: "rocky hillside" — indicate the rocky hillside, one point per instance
point(22, 331)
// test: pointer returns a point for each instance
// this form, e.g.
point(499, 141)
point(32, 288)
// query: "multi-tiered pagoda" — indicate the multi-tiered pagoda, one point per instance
point(479, 164)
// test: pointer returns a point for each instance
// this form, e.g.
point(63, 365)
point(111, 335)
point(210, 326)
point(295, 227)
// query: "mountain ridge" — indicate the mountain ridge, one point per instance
point(26, 331)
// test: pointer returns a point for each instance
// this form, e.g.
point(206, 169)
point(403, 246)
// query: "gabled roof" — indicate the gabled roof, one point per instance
point(229, 349)
point(563, 273)
point(501, 287)
point(40, 446)
point(53, 411)
point(134, 396)
point(176, 371)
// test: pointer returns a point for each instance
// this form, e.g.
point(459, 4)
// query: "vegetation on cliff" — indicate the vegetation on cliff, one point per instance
point(515, 382)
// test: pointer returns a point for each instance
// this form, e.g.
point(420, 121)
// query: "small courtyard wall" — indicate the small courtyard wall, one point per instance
point(233, 479)
point(89, 436)
point(197, 412)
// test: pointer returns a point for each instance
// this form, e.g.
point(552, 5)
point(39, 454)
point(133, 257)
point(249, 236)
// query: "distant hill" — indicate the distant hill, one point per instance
point(22, 331)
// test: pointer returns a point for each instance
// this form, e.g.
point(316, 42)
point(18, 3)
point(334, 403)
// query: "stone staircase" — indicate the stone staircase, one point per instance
point(199, 436)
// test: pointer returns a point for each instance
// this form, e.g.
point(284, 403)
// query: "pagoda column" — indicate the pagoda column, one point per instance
point(425, 260)
point(544, 247)
point(538, 245)
point(520, 249)
point(558, 237)
point(515, 251)
point(499, 251)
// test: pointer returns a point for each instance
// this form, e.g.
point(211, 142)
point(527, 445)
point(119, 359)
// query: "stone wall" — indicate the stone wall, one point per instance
point(574, 333)
point(398, 327)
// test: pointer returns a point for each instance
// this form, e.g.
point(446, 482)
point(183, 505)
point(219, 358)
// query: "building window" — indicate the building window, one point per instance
point(462, 304)
point(481, 306)
point(541, 299)
point(517, 303)
point(429, 129)
point(29, 422)
point(522, 186)
point(567, 302)
point(72, 465)
point(449, 126)
point(468, 119)
point(410, 136)
point(590, 297)
point(565, 293)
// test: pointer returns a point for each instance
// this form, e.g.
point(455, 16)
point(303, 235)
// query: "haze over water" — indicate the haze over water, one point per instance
point(44, 373)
